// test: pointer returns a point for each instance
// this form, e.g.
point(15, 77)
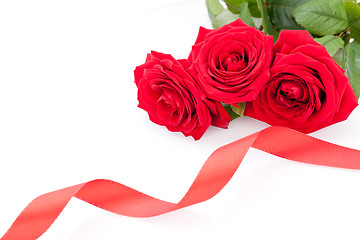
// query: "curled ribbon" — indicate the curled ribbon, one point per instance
point(216, 172)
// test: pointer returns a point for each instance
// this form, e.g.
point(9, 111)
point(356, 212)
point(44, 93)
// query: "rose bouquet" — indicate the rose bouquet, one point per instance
point(297, 67)
point(285, 62)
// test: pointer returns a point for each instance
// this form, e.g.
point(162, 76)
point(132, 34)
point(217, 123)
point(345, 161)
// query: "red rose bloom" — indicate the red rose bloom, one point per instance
point(233, 62)
point(307, 90)
point(168, 92)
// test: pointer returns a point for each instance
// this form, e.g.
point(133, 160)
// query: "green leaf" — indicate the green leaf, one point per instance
point(280, 13)
point(214, 8)
point(229, 110)
point(267, 25)
point(331, 43)
point(352, 65)
point(322, 17)
point(339, 57)
point(254, 9)
point(353, 15)
point(240, 109)
point(224, 18)
point(244, 14)
point(234, 6)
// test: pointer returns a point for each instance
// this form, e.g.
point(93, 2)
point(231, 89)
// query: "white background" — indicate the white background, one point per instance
point(68, 114)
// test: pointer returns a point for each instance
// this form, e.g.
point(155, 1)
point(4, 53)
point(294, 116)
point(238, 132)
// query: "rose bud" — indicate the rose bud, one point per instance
point(307, 90)
point(233, 62)
point(169, 92)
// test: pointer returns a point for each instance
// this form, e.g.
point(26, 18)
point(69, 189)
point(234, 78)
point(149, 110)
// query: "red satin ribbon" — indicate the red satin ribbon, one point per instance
point(39, 215)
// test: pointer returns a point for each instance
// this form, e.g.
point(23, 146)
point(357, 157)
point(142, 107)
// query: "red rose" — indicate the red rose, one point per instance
point(307, 90)
point(168, 92)
point(233, 61)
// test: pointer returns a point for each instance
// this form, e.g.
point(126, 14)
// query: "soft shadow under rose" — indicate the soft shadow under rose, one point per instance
point(307, 90)
point(168, 91)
